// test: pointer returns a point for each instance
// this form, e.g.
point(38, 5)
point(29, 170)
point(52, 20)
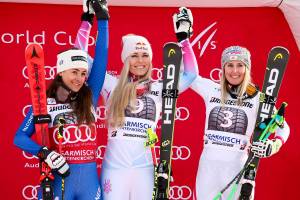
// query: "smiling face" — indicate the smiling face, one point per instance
point(235, 72)
point(74, 78)
point(139, 63)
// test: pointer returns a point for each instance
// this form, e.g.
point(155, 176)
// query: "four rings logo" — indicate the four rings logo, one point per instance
point(25, 110)
point(216, 74)
point(28, 156)
point(82, 134)
point(178, 152)
point(182, 113)
point(180, 192)
point(30, 192)
point(100, 152)
point(157, 74)
point(50, 72)
point(101, 113)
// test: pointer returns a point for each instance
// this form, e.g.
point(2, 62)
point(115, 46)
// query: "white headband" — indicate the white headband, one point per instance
point(71, 59)
point(135, 43)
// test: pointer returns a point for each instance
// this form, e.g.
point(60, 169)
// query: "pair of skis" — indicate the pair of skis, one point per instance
point(265, 123)
point(34, 56)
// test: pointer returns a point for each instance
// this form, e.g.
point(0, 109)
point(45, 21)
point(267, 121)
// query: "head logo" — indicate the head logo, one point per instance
point(171, 52)
point(278, 56)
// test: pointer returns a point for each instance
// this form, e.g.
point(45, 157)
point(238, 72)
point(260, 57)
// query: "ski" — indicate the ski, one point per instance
point(276, 65)
point(172, 56)
point(34, 56)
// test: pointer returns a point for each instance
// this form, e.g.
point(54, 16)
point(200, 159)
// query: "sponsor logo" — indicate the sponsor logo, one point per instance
point(50, 72)
point(178, 152)
point(30, 192)
point(208, 42)
point(100, 152)
point(157, 74)
point(181, 114)
point(230, 102)
point(29, 156)
point(222, 139)
point(81, 134)
point(59, 107)
point(167, 112)
point(25, 110)
point(266, 107)
point(215, 74)
point(101, 113)
point(180, 192)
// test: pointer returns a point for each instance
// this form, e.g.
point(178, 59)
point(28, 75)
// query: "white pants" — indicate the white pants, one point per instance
point(215, 171)
point(127, 184)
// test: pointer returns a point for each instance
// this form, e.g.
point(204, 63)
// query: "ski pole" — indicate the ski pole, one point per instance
point(61, 123)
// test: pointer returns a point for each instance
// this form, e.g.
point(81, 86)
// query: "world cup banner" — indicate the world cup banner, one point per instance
point(55, 28)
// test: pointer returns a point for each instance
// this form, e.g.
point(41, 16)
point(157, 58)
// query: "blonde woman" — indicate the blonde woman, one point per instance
point(134, 105)
point(231, 110)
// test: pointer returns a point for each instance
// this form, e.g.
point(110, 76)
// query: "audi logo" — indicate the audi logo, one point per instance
point(101, 113)
point(180, 192)
point(82, 134)
point(100, 152)
point(30, 192)
point(50, 72)
point(157, 74)
point(182, 114)
point(178, 152)
point(28, 156)
point(25, 110)
point(215, 74)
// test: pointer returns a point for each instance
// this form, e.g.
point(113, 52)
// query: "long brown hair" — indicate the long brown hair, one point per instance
point(81, 106)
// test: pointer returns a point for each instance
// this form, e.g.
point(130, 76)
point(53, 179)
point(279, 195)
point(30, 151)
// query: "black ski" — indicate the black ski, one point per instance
point(276, 65)
point(172, 56)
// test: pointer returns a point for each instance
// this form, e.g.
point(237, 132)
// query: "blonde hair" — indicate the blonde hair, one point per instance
point(124, 95)
point(225, 86)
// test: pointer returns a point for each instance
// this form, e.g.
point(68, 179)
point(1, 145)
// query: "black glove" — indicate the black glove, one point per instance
point(100, 8)
point(86, 16)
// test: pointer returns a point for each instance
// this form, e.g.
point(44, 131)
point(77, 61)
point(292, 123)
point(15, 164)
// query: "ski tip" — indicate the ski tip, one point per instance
point(280, 48)
point(171, 49)
point(34, 50)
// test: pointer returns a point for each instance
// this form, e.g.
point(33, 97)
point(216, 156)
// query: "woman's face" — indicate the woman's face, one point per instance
point(74, 78)
point(235, 72)
point(139, 63)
